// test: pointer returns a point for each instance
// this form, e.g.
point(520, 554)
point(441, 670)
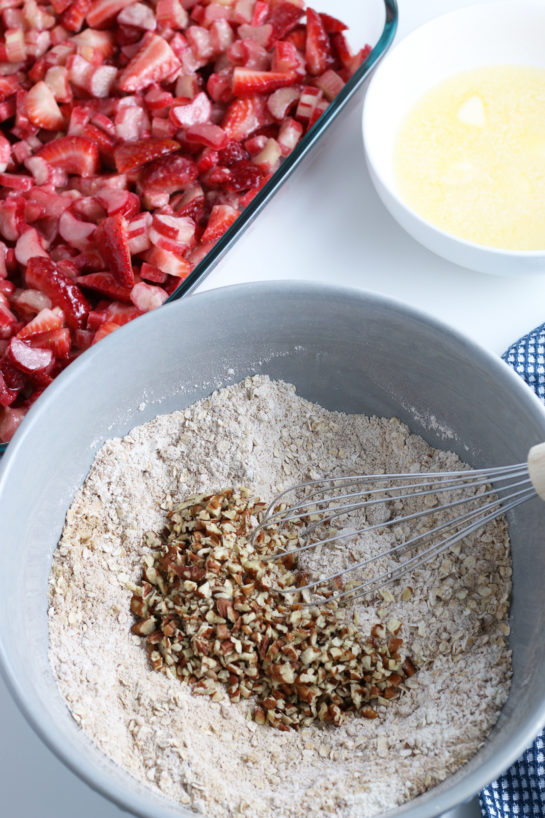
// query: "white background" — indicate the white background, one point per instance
point(326, 224)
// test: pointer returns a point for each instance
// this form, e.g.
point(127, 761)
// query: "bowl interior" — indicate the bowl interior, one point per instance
point(341, 348)
point(498, 33)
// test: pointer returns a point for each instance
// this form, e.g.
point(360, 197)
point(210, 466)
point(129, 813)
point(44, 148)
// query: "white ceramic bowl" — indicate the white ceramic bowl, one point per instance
point(494, 33)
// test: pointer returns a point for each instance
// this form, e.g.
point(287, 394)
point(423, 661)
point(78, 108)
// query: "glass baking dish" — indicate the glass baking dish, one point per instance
point(368, 22)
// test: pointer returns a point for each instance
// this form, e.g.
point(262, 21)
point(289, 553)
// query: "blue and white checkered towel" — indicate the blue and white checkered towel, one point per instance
point(520, 791)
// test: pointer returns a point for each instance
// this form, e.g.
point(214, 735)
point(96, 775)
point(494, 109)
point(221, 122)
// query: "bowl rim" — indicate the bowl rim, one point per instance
point(460, 791)
point(368, 123)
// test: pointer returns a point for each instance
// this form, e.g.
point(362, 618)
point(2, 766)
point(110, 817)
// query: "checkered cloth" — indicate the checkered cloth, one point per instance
point(520, 791)
point(527, 357)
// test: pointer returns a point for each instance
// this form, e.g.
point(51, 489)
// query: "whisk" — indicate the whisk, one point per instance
point(486, 495)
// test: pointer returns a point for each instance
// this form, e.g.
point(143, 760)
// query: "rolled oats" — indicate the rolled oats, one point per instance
point(191, 747)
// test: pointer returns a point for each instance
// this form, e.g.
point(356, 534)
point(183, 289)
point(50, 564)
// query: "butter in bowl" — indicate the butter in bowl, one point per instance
point(454, 136)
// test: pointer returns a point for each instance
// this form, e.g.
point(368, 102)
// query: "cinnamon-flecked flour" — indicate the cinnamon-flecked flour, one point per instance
point(211, 755)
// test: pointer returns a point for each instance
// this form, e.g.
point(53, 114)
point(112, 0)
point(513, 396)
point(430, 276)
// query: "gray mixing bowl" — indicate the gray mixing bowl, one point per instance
point(344, 349)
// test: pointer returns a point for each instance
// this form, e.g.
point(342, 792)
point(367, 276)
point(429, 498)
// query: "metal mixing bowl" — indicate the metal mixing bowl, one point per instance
point(345, 349)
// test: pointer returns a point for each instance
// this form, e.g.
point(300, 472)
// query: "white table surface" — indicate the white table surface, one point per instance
point(326, 224)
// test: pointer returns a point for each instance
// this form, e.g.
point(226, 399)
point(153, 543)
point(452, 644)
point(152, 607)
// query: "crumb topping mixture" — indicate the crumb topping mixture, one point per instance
point(211, 755)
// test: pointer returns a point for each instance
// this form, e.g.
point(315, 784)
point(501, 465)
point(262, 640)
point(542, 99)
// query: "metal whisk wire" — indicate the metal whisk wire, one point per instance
point(511, 486)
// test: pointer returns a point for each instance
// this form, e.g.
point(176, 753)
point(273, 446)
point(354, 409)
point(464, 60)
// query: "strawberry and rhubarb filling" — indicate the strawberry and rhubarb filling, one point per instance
point(132, 135)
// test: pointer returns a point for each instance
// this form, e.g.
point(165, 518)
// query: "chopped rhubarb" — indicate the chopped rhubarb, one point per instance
point(133, 133)
point(28, 359)
point(129, 155)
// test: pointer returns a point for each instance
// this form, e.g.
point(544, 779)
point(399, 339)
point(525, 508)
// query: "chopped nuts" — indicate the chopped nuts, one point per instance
point(210, 615)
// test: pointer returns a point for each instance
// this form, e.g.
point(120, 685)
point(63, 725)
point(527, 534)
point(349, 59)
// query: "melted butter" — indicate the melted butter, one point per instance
point(470, 157)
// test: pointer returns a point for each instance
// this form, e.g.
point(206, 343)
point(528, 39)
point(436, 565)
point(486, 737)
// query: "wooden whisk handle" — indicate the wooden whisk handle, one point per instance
point(536, 468)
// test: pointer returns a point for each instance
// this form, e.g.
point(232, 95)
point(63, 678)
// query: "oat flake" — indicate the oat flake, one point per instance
point(209, 755)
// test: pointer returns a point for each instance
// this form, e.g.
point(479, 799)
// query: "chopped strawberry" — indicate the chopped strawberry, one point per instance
point(58, 341)
point(121, 313)
point(131, 155)
point(113, 243)
point(359, 58)
point(119, 201)
point(318, 49)
point(45, 321)
point(56, 80)
point(102, 11)
point(169, 261)
point(151, 273)
point(13, 377)
point(8, 86)
point(73, 154)
point(260, 13)
point(243, 176)
point(221, 219)
point(341, 50)
point(8, 322)
point(331, 24)
point(42, 274)
point(104, 330)
point(298, 38)
point(106, 284)
point(115, 312)
point(167, 174)
point(287, 58)
point(233, 152)
point(190, 203)
point(153, 62)
point(284, 17)
point(10, 419)
point(7, 395)
point(246, 81)
point(243, 116)
point(42, 109)
point(220, 85)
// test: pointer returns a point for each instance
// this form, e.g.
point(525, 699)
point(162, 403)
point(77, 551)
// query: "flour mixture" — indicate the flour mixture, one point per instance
point(211, 755)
